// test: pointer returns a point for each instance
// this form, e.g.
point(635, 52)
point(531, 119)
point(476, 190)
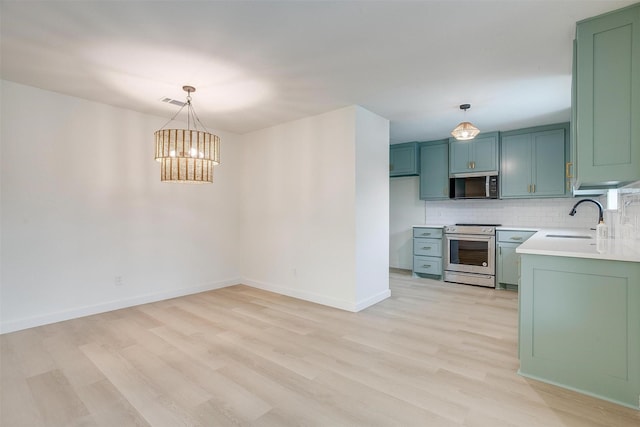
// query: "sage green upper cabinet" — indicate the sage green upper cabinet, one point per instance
point(403, 159)
point(608, 98)
point(477, 155)
point(534, 162)
point(434, 171)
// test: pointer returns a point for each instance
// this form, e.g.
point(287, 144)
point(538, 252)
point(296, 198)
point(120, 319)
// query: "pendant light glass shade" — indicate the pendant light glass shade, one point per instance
point(465, 130)
point(187, 155)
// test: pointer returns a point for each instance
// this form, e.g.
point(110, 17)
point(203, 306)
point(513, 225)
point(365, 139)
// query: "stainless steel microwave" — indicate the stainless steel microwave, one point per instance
point(474, 187)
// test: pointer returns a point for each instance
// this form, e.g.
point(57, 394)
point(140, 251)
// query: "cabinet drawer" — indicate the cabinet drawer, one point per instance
point(427, 265)
point(432, 233)
point(513, 236)
point(427, 247)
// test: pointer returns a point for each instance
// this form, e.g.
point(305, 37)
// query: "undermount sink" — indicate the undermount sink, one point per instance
point(570, 236)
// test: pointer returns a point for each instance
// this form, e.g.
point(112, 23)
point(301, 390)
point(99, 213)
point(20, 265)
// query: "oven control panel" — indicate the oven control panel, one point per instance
point(470, 229)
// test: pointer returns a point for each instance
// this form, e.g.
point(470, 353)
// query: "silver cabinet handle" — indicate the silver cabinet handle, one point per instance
point(426, 234)
point(516, 238)
point(426, 266)
point(427, 248)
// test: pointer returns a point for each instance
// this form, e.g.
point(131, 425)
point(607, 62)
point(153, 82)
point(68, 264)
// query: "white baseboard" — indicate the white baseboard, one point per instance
point(30, 322)
point(374, 299)
point(317, 298)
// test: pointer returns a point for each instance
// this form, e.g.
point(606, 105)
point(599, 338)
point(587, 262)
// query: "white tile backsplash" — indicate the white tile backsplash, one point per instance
point(629, 205)
point(517, 212)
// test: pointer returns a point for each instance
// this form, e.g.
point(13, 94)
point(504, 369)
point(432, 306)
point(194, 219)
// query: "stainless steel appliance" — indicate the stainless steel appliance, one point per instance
point(470, 254)
point(474, 186)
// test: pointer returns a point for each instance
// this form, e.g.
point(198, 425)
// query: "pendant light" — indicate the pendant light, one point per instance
point(187, 155)
point(465, 131)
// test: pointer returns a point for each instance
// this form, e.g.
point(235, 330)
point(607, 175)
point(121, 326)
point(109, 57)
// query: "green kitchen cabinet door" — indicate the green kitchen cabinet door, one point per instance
point(508, 264)
point(403, 159)
point(459, 156)
point(516, 165)
point(548, 169)
point(434, 170)
point(477, 155)
point(579, 323)
point(508, 261)
point(485, 153)
point(608, 98)
point(533, 162)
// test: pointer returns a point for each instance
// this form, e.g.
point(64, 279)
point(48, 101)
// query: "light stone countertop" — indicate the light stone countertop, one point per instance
point(606, 249)
point(502, 227)
point(516, 228)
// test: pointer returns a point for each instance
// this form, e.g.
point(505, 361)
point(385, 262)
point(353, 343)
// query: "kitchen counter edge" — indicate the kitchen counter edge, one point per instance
point(607, 249)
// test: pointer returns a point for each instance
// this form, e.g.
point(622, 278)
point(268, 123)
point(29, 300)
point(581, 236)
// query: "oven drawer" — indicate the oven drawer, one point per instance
point(427, 247)
point(485, 280)
point(427, 265)
point(431, 233)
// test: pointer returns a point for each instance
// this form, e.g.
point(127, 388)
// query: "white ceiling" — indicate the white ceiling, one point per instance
point(257, 64)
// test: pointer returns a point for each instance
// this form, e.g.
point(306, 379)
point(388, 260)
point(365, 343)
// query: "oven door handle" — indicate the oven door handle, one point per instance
point(473, 237)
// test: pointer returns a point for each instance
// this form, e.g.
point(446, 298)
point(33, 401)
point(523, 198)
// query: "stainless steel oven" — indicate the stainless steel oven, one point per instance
point(470, 254)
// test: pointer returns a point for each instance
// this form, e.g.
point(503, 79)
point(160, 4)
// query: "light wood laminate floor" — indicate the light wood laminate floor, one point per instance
point(434, 354)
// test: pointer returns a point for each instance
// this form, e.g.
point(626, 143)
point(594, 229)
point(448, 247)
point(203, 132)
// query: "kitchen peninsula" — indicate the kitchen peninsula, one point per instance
point(580, 314)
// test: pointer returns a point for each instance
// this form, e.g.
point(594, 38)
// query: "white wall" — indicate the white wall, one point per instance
point(407, 210)
point(372, 208)
point(82, 203)
point(300, 207)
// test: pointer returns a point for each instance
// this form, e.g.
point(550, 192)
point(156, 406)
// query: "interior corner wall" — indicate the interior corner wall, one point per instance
point(87, 226)
point(298, 209)
point(312, 189)
point(372, 208)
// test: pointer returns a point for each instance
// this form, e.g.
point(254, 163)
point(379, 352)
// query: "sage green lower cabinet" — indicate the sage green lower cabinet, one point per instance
point(508, 261)
point(427, 251)
point(434, 170)
point(580, 325)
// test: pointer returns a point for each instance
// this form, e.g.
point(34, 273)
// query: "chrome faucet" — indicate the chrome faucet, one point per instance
point(600, 209)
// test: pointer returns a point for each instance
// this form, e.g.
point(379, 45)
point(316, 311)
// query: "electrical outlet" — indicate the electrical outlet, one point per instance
point(119, 281)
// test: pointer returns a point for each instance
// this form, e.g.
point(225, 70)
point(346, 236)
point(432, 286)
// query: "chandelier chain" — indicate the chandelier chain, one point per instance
point(191, 115)
point(174, 117)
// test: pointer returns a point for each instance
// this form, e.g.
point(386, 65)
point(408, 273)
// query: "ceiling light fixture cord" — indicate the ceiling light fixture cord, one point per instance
point(174, 117)
point(197, 120)
point(187, 155)
point(191, 116)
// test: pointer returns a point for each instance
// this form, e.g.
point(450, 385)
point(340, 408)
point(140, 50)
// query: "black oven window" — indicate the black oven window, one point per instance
point(468, 252)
